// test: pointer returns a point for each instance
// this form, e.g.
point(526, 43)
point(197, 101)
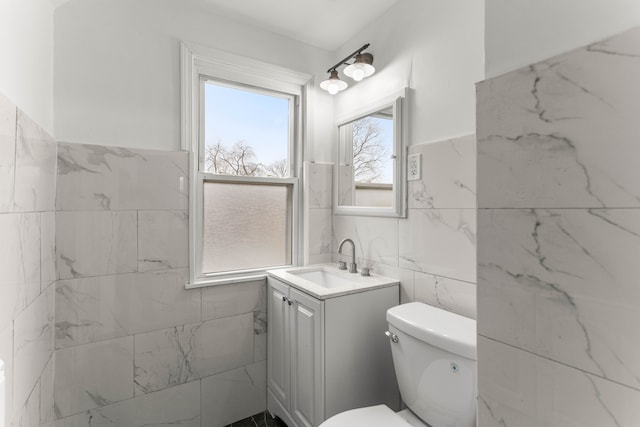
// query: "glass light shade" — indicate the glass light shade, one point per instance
point(333, 84)
point(361, 68)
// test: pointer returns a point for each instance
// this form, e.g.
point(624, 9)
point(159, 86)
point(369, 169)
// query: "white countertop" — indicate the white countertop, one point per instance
point(358, 283)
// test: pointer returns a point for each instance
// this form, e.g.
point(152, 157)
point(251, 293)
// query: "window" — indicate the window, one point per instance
point(243, 126)
point(247, 224)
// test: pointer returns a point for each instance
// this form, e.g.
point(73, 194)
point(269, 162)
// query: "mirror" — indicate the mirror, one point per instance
point(370, 162)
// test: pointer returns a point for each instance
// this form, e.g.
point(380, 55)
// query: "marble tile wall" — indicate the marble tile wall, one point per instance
point(559, 238)
point(433, 250)
point(27, 267)
point(318, 205)
point(133, 346)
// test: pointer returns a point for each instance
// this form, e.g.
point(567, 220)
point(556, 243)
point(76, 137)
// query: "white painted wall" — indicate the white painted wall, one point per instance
point(117, 76)
point(26, 43)
point(522, 32)
point(435, 48)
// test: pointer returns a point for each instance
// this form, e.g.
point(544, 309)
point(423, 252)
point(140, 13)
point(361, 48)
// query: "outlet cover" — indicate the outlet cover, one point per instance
point(414, 166)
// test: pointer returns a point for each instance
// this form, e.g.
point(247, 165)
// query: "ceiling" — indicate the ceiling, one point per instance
point(327, 24)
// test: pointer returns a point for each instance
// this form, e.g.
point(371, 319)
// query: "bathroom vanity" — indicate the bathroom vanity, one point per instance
point(327, 351)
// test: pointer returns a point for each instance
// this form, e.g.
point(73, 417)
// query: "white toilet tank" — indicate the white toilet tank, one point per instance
point(435, 362)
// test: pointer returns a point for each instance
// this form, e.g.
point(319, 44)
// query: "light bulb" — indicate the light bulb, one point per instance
point(361, 68)
point(333, 84)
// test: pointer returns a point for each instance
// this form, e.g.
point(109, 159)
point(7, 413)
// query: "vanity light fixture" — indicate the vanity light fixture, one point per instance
point(361, 67)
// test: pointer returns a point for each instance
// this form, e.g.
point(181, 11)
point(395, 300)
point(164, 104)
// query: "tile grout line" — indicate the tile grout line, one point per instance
point(560, 363)
point(199, 323)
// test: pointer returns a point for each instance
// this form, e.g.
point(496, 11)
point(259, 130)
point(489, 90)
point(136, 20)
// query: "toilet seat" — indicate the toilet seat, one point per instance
point(372, 416)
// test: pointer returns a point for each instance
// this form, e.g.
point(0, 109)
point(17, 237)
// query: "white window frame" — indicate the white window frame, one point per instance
point(199, 64)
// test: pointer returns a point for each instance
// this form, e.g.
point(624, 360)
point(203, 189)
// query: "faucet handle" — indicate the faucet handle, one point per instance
point(366, 271)
point(342, 265)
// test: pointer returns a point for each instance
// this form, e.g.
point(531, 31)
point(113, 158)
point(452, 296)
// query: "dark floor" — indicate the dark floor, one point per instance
point(262, 419)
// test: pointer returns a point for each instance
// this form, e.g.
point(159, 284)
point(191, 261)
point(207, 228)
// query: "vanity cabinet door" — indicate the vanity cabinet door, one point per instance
point(278, 354)
point(307, 329)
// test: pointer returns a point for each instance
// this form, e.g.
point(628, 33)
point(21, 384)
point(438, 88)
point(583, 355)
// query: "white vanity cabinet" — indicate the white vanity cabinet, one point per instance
point(327, 355)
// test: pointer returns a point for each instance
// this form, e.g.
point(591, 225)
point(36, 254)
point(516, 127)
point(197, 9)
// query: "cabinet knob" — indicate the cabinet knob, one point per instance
point(284, 298)
point(289, 301)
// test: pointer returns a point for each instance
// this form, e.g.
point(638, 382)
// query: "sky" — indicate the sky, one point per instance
point(235, 114)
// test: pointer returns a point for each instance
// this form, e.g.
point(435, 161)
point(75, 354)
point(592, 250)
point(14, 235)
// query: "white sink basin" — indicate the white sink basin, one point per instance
point(327, 281)
point(324, 278)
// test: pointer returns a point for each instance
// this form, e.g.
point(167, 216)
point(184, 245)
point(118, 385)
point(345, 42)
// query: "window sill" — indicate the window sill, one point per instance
point(205, 283)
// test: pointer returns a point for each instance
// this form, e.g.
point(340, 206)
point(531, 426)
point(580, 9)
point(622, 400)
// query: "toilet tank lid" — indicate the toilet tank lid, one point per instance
point(443, 329)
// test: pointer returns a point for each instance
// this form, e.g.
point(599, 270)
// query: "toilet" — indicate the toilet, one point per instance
point(434, 356)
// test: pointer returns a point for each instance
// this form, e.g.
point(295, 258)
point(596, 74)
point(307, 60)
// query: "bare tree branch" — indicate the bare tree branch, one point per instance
point(279, 168)
point(213, 157)
point(240, 159)
point(369, 151)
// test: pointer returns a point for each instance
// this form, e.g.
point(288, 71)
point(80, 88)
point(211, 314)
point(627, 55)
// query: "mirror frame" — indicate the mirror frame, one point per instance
point(398, 102)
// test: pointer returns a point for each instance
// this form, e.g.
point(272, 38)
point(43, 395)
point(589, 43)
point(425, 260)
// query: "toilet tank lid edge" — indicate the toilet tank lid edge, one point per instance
point(446, 330)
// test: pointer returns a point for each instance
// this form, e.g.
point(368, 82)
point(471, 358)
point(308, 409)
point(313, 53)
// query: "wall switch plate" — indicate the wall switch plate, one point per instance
point(414, 166)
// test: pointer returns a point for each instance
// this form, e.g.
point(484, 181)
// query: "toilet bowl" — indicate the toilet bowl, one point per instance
point(434, 356)
point(379, 415)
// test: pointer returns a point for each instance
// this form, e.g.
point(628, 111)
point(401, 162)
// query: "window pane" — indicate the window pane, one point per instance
point(245, 226)
point(245, 132)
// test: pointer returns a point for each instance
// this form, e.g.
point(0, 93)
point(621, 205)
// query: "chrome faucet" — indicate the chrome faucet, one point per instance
point(353, 267)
